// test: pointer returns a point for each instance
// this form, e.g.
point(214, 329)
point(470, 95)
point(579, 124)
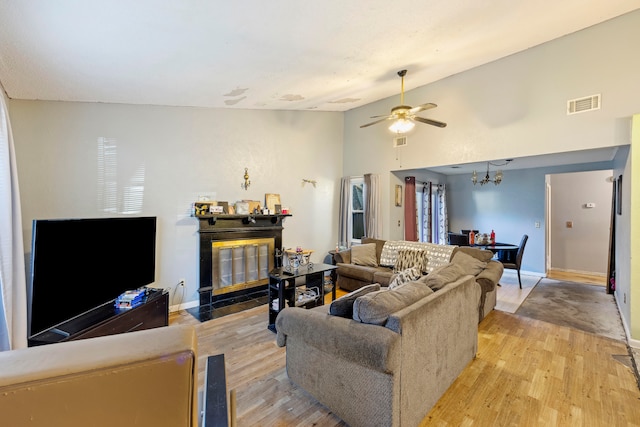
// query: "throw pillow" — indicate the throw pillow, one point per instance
point(469, 264)
point(343, 306)
point(408, 258)
point(376, 307)
point(364, 255)
point(405, 276)
point(442, 275)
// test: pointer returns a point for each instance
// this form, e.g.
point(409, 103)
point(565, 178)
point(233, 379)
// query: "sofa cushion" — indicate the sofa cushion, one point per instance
point(438, 254)
point(360, 272)
point(405, 276)
point(408, 258)
point(376, 307)
point(364, 255)
point(379, 245)
point(343, 306)
point(481, 254)
point(469, 264)
point(442, 275)
point(383, 277)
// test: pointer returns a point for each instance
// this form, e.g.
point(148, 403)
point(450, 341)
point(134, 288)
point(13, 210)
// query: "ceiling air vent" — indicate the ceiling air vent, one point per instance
point(399, 141)
point(580, 105)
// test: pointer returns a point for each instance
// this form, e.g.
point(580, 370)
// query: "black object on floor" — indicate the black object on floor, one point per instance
point(215, 393)
point(231, 305)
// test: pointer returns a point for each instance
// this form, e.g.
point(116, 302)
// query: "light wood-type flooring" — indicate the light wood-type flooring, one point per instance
point(577, 277)
point(526, 373)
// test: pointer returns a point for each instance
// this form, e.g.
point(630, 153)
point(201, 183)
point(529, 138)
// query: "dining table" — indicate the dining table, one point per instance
point(504, 252)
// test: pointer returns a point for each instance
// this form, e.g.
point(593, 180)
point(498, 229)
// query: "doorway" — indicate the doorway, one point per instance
point(578, 226)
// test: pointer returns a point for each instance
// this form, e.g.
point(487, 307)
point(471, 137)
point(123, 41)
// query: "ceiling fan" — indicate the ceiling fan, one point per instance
point(404, 116)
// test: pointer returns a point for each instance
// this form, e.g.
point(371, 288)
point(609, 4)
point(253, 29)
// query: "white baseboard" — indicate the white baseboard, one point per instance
point(632, 342)
point(527, 273)
point(184, 306)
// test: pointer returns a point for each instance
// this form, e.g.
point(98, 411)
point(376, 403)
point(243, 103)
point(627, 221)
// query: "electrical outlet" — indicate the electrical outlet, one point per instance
point(182, 282)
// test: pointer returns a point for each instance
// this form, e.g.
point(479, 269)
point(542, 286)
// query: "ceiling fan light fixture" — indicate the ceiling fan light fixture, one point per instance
point(404, 116)
point(401, 126)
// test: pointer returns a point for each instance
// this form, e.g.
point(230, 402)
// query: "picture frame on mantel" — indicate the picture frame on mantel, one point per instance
point(398, 195)
point(271, 200)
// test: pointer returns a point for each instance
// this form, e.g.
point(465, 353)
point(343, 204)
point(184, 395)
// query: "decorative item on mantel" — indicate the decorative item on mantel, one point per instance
point(271, 200)
point(203, 207)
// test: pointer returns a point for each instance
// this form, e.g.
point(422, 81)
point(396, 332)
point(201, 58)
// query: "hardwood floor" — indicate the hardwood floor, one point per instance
point(526, 372)
point(577, 277)
point(529, 372)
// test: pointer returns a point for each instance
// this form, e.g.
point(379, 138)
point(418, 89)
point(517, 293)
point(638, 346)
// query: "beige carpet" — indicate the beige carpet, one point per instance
point(510, 296)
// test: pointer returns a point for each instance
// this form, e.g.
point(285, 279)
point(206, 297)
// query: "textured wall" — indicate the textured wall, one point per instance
point(96, 160)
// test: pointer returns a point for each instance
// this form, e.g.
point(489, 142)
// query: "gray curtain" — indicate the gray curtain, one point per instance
point(372, 206)
point(13, 294)
point(443, 217)
point(343, 215)
point(435, 222)
point(427, 213)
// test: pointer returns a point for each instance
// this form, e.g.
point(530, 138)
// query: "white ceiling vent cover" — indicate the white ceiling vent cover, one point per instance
point(400, 141)
point(580, 105)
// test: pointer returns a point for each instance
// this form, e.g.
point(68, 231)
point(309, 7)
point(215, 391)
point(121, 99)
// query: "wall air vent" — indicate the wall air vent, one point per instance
point(580, 105)
point(399, 141)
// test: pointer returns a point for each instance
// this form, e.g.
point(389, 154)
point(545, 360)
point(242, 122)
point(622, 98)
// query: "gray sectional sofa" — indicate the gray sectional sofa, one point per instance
point(385, 356)
point(353, 274)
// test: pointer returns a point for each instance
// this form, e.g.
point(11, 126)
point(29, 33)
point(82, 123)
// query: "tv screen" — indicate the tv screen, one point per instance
point(79, 264)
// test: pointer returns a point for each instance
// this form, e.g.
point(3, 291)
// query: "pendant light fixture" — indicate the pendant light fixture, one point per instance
point(497, 178)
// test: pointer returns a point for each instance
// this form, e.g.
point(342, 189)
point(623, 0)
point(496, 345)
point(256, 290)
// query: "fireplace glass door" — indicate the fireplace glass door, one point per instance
point(241, 264)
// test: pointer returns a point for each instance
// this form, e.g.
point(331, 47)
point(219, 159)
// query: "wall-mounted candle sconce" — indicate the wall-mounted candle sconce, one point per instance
point(245, 185)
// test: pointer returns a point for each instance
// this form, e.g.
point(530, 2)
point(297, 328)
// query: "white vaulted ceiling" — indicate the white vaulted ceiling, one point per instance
point(330, 55)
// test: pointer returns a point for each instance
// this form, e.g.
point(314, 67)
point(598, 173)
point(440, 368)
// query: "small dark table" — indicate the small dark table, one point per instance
point(282, 285)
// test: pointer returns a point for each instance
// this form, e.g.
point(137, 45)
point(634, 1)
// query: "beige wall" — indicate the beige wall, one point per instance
point(167, 157)
point(631, 195)
point(511, 108)
point(585, 246)
point(514, 107)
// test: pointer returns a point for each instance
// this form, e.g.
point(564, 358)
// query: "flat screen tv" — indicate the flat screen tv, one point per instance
point(79, 264)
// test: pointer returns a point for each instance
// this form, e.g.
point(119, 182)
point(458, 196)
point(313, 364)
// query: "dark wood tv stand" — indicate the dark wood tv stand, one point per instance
point(108, 320)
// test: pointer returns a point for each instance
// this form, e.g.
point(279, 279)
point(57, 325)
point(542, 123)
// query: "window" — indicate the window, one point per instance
point(356, 208)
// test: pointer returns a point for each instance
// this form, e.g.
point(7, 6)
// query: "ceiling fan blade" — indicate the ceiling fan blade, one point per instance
point(381, 115)
point(377, 121)
point(430, 122)
point(422, 107)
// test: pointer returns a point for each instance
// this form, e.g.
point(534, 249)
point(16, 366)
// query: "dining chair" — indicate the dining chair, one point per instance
point(517, 262)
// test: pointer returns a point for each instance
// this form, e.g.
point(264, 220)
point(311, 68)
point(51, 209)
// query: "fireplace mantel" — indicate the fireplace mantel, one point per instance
point(218, 227)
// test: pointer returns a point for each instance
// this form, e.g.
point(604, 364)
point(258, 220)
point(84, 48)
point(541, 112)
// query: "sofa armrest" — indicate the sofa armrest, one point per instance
point(372, 346)
point(490, 276)
point(152, 373)
point(343, 257)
